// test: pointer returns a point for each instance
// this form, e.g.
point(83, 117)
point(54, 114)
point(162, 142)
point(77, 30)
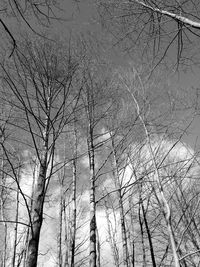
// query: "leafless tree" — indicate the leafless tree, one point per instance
point(154, 28)
point(40, 81)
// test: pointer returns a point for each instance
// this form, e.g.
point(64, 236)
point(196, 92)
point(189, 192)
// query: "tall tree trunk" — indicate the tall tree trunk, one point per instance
point(60, 259)
point(91, 155)
point(149, 236)
point(147, 230)
point(161, 195)
point(73, 226)
point(112, 240)
point(2, 203)
point(16, 223)
point(93, 252)
point(98, 249)
point(39, 196)
point(31, 208)
point(131, 230)
point(142, 236)
point(120, 200)
point(37, 214)
point(66, 264)
point(74, 212)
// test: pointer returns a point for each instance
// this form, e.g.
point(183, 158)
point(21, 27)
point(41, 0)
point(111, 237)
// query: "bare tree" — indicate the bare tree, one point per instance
point(112, 238)
point(74, 196)
point(156, 28)
point(118, 185)
point(90, 105)
point(41, 82)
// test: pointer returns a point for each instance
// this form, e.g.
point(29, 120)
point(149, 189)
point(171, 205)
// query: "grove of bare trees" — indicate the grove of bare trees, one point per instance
point(99, 163)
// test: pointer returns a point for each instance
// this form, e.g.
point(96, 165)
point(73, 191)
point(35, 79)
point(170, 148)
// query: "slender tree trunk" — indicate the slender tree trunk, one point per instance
point(148, 235)
point(5, 245)
point(66, 261)
point(121, 207)
point(74, 181)
point(66, 236)
point(162, 199)
point(98, 249)
point(131, 241)
point(5, 235)
point(133, 254)
point(142, 236)
point(16, 224)
point(112, 240)
point(39, 196)
point(72, 229)
point(31, 208)
point(93, 252)
point(91, 155)
point(73, 226)
point(123, 230)
point(60, 225)
point(37, 217)
point(2, 203)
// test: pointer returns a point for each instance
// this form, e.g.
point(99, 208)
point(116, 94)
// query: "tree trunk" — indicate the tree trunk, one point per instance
point(39, 196)
point(142, 236)
point(2, 209)
point(60, 225)
point(112, 240)
point(31, 208)
point(37, 217)
point(98, 249)
point(66, 264)
point(131, 230)
point(161, 199)
point(93, 252)
point(121, 207)
point(73, 226)
point(148, 234)
point(16, 224)
point(91, 149)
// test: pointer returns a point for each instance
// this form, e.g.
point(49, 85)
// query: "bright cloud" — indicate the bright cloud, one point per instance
point(139, 162)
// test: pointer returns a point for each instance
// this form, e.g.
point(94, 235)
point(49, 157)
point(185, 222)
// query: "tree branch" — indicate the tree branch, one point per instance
point(11, 36)
point(179, 18)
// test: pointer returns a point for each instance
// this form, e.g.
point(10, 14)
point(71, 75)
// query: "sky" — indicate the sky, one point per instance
point(48, 240)
point(84, 18)
point(80, 16)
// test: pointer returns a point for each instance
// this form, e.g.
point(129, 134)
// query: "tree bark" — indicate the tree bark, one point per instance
point(91, 155)
point(73, 226)
point(39, 196)
point(176, 17)
point(16, 223)
point(93, 252)
point(148, 231)
point(142, 236)
point(121, 207)
point(37, 218)
point(60, 258)
point(2, 203)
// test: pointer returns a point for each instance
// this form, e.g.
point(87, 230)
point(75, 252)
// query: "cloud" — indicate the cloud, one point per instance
point(174, 158)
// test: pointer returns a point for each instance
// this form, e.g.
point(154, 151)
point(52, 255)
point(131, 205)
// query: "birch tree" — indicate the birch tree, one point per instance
point(157, 182)
point(40, 82)
point(90, 106)
point(96, 101)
